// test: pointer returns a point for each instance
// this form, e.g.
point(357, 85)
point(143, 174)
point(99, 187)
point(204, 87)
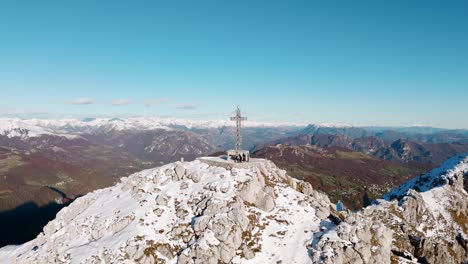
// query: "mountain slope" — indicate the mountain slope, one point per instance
point(79, 164)
point(73, 166)
point(424, 220)
point(343, 174)
point(159, 146)
point(185, 212)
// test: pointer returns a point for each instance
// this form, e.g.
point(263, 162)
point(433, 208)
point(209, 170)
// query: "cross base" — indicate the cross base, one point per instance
point(238, 155)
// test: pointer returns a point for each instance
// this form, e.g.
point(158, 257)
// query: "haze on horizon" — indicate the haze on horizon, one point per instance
point(396, 63)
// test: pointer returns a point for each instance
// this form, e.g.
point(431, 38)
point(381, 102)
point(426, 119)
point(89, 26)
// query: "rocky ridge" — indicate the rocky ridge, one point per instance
point(422, 221)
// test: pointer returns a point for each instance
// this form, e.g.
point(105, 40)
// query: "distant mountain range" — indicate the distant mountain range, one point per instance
point(354, 169)
point(81, 155)
point(400, 150)
point(390, 134)
point(47, 162)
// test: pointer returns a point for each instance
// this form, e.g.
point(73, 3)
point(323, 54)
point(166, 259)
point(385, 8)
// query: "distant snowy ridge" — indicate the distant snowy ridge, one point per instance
point(79, 126)
point(66, 126)
point(24, 129)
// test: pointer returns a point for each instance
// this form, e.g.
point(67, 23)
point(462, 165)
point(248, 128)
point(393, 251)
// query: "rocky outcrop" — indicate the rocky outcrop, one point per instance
point(426, 223)
point(360, 241)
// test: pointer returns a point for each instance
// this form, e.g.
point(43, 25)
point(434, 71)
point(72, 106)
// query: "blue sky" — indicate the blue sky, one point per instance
point(354, 62)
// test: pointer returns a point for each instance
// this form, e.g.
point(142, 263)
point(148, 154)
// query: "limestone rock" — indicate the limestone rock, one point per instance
point(426, 223)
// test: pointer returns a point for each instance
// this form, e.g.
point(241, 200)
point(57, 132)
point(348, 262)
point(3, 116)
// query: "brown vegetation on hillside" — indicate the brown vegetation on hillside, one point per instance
point(343, 174)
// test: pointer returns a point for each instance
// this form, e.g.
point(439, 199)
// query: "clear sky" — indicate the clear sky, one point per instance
point(354, 62)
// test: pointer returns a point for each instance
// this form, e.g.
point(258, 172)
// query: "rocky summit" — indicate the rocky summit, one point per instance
point(185, 212)
point(205, 211)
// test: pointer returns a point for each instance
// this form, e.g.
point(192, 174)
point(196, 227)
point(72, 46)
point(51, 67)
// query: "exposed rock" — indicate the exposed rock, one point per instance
point(179, 171)
point(161, 200)
point(427, 226)
point(196, 177)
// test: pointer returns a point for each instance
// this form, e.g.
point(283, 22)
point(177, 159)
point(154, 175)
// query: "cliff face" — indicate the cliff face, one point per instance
point(422, 221)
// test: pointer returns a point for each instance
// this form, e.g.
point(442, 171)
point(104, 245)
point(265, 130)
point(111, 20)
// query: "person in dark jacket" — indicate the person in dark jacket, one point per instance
point(244, 157)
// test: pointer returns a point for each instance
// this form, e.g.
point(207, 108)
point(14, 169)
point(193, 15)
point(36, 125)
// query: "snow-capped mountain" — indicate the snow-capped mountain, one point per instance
point(34, 127)
point(18, 128)
point(424, 220)
point(185, 212)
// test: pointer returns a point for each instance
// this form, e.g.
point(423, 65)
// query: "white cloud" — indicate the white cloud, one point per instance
point(184, 106)
point(209, 114)
point(14, 112)
point(121, 102)
point(82, 101)
point(165, 102)
point(6, 109)
point(155, 102)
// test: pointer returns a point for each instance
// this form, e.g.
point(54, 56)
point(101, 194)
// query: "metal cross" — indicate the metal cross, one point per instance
point(238, 118)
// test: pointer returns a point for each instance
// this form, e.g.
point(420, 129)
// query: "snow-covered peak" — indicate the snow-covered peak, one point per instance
point(185, 212)
point(445, 173)
point(334, 125)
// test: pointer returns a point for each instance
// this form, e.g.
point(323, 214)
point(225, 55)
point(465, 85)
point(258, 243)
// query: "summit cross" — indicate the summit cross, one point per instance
point(238, 118)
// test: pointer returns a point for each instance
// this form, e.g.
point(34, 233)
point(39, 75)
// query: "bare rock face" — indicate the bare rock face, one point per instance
point(356, 240)
point(255, 191)
point(427, 223)
point(185, 212)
